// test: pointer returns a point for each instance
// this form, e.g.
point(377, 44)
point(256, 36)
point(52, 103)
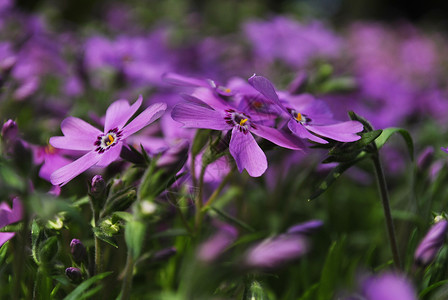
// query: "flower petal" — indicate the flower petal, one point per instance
point(278, 137)
point(247, 154)
point(110, 155)
point(73, 143)
point(199, 115)
point(51, 164)
point(119, 112)
point(5, 236)
point(265, 87)
point(148, 116)
point(80, 129)
point(70, 171)
point(303, 133)
point(343, 132)
point(181, 80)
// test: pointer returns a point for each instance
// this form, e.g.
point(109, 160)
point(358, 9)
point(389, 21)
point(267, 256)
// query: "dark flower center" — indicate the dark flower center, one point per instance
point(107, 140)
point(240, 120)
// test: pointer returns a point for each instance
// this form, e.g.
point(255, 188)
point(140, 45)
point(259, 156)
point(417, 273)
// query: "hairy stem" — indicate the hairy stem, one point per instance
point(127, 281)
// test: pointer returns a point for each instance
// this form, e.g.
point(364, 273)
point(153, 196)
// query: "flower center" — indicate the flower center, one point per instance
point(299, 117)
point(107, 140)
point(239, 120)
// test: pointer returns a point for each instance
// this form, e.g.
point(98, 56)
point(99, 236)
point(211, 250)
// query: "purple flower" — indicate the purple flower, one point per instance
point(306, 228)
point(431, 243)
point(388, 286)
point(102, 147)
point(309, 118)
point(247, 154)
point(9, 216)
point(276, 251)
point(211, 249)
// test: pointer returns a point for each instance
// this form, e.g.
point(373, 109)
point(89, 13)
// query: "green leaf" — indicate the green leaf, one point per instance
point(233, 220)
point(99, 233)
point(337, 85)
point(124, 215)
point(367, 126)
point(331, 271)
point(134, 235)
point(431, 288)
point(200, 140)
point(388, 132)
point(335, 174)
point(346, 148)
point(310, 294)
point(3, 252)
point(81, 292)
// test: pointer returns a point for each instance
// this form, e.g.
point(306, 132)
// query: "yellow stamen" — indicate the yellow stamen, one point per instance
point(111, 139)
point(227, 90)
point(243, 121)
point(50, 149)
point(299, 117)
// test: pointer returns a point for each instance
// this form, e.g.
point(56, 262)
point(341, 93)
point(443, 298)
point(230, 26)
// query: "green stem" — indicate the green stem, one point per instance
point(127, 281)
point(386, 206)
point(98, 249)
point(198, 202)
point(20, 256)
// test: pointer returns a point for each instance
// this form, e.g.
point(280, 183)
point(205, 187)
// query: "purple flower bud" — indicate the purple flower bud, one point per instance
point(211, 249)
point(9, 131)
point(431, 243)
point(275, 252)
point(306, 228)
point(388, 286)
point(74, 274)
point(163, 254)
point(425, 158)
point(78, 250)
point(98, 186)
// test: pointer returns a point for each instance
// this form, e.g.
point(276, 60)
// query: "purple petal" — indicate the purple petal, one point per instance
point(388, 286)
point(70, 171)
point(277, 251)
point(79, 129)
point(72, 143)
point(444, 149)
point(278, 137)
point(199, 115)
point(51, 164)
point(119, 112)
point(180, 80)
point(8, 215)
point(247, 154)
point(148, 116)
point(343, 132)
point(265, 87)
point(5, 236)
point(431, 243)
point(306, 227)
point(109, 156)
point(301, 132)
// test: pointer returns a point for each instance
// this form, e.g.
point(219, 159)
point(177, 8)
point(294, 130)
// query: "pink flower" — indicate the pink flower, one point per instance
point(102, 147)
point(9, 216)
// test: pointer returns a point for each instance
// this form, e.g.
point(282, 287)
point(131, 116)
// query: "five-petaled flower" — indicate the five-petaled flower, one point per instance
point(103, 147)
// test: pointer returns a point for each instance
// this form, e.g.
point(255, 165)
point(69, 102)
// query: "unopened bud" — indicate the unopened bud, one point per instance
point(9, 131)
point(431, 243)
point(306, 228)
point(425, 158)
point(78, 250)
point(163, 254)
point(97, 186)
point(74, 274)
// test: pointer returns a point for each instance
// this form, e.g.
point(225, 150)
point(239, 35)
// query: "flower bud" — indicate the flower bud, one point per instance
point(74, 274)
point(306, 228)
point(431, 243)
point(9, 131)
point(97, 186)
point(78, 250)
point(425, 158)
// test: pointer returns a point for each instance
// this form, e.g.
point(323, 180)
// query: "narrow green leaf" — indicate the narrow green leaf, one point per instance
point(77, 293)
point(388, 132)
point(105, 237)
point(124, 215)
point(331, 271)
point(233, 220)
point(431, 288)
point(200, 140)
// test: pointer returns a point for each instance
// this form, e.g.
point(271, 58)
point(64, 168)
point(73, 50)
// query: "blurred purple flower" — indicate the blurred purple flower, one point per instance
point(51, 158)
point(211, 249)
point(431, 243)
point(9, 216)
point(306, 228)
point(276, 251)
point(388, 286)
point(103, 147)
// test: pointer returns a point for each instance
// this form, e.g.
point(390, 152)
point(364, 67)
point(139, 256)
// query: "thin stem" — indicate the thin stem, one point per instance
point(198, 202)
point(98, 249)
point(20, 256)
point(217, 191)
point(127, 282)
point(386, 206)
